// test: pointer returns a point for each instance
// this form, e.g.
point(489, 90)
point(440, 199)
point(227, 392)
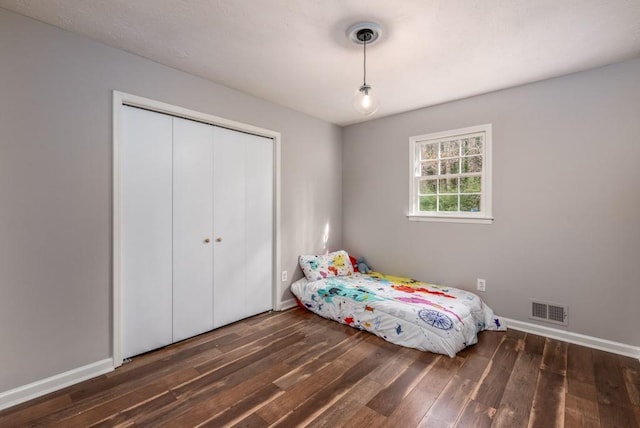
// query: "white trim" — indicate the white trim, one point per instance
point(277, 289)
point(451, 219)
point(45, 386)
point(118, 100)
point(122, 98)
point(576, 338)
point(287, 304)
point(483, 217)
point(452, 132)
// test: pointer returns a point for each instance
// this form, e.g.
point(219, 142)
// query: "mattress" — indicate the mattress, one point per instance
point(401, 310)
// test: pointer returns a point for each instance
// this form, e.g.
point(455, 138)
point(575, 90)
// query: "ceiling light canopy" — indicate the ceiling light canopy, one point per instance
point(365, 98)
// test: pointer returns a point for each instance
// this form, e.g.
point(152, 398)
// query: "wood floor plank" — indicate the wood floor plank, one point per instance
point(473, 367)
point(581, 381)
point(261, 333)
point(554, 358)
point(534, 344)
point(581, 401)
point(417, 403)
point(549, 399)
point(250, 345)
point(196, 346)
point(301, 391)
point(491, 387)
point(348, 406)
point(388, 398)
point(294, 368)
point(328, 356)
point(112, 407)
point(336, 389)
point(365, 417)
point(198, 409)
point(95, 391)
point(515, 407)
point(23, 414)
point(103, 400)
point(256, 369)
point(126, 416)
point(353, 402)
point(251, 421)
point(488, 342)
point(449, 404)
point(244, 407)
point(515, 334)
point(631, 374)
point(477, 415)
point(614, 404)
point(636, 410)
point(323, 337)
point(228, 389)
point(389, 371)
point(580, 412)
point(216, 373)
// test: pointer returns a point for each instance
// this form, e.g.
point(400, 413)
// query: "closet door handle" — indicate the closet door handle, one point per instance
point(207, 240)
point(218, 239)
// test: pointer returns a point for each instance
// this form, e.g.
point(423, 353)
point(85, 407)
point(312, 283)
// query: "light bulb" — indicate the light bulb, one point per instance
point(365, 100)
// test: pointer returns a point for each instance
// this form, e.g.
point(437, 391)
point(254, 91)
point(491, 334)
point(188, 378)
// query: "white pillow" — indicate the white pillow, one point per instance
point(332, 264)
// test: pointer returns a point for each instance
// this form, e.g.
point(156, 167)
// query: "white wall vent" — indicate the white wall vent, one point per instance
point(549, 312)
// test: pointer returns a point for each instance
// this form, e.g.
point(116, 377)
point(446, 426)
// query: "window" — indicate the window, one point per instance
point(451, 176)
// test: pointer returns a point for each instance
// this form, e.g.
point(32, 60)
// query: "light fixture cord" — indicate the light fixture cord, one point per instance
point(365, 61)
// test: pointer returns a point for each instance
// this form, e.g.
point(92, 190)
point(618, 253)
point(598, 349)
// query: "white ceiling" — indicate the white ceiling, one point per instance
point(295, 52)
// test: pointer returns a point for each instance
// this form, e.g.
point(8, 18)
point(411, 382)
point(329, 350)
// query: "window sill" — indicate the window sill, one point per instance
point(450, 219)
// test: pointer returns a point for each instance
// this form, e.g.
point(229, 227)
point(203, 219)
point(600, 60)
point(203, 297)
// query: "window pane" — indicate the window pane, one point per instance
point(472, 164)
point(472, 146)
point(470, 203)
point(429, 151)
point(429, 168)
point(428, 203)
point(450, 166)
point(449, 203)
point(428, 187)
point(448, 185)
point(449, 149)
point(470, 185)
point(449, 171)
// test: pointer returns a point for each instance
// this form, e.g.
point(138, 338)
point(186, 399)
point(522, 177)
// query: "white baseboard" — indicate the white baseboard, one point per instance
point(576, 338)
point(287, 304)
point(44, 386)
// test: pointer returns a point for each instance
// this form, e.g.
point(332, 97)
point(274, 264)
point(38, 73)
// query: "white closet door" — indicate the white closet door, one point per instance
point(229, 214)
point(192, 228)
point(259, 224)
point(243, 182)
point(146, 160)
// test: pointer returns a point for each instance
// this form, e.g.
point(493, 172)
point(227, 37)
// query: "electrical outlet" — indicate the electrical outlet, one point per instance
point(482, 284)
point(285, 275)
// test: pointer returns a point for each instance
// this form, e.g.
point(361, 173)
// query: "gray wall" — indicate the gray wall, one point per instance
point(566, 197)
point(55, 187)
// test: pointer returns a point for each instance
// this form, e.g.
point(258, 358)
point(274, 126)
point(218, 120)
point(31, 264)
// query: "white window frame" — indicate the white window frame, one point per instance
point(484, 216)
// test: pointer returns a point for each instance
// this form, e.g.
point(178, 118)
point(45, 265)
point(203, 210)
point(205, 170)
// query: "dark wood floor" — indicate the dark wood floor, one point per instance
point(294, 368)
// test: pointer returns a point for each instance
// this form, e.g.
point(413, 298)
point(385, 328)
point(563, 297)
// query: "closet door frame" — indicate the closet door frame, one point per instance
point(121, 99)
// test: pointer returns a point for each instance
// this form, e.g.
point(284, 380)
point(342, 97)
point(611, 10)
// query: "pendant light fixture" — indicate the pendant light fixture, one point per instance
point(365, 98)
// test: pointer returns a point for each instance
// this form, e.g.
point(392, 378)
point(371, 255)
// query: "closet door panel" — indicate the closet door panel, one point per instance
point(146, 158)
point(259, 224)
point(229, 214)
point(192, 228)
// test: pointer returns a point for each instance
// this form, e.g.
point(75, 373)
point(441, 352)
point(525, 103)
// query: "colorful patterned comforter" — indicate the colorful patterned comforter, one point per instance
point(401, 310)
